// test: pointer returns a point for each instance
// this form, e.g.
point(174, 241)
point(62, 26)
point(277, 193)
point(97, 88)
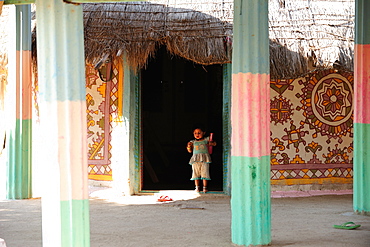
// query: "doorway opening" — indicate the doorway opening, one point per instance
point(175, 95)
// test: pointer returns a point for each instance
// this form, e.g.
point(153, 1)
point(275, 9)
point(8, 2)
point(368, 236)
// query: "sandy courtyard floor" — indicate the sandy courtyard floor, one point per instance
point(189, 220)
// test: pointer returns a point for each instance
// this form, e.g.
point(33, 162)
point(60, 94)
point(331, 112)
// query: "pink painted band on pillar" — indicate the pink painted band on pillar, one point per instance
point(18, 94)
point(250, 116)
point(74, 154)
point(26, 85)
point(362, 84)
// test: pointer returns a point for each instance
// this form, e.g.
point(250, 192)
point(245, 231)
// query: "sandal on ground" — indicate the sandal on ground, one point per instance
point(197, 189)
point(205, 190)
point(347, 226)
point(164, 199)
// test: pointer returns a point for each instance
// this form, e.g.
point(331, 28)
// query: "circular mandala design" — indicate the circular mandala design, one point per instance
point(328, 104)
point(332, 100)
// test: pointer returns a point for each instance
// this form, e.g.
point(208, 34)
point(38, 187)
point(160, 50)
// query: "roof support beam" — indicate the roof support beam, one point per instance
point(250, 124)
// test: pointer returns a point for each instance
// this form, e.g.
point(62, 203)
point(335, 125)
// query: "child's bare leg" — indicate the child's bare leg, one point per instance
point(196, 185)
point(205, 190)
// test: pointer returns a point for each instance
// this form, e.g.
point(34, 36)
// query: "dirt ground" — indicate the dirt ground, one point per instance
point(141, 221)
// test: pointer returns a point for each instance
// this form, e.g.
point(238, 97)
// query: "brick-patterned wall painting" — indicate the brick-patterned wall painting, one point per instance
point(101, 102)
point(312, 129)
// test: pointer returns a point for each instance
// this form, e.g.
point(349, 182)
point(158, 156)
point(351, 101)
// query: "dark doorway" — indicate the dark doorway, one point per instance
point(176, 94)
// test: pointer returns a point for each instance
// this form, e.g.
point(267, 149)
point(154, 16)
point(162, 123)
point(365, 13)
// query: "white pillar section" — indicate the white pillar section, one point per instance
point(61, 70)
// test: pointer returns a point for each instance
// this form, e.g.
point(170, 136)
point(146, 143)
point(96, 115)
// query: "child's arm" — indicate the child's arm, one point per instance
point(189, 147)
point(211, 142)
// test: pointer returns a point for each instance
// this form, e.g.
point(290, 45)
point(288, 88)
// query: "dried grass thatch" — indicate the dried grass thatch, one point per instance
point(139, 28)
point(304, 35)
point(307, 35)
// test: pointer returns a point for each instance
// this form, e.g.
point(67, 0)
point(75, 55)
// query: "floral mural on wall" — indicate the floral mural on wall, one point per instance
point(312, 128)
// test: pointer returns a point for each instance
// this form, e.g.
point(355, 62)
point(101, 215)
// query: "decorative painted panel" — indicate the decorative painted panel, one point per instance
point(312, 128)
point(102, 103)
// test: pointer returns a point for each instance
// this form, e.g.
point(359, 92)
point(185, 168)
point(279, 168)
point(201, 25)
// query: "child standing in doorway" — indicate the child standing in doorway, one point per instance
point(201, 159)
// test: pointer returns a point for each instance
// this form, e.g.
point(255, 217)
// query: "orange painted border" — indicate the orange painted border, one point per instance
point(121, 77)
point(312, 181)
point(101, 177)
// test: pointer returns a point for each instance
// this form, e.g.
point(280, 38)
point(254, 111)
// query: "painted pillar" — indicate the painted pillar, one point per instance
point(250, 122)
point(361, 157)
point(19, 139)
point(125, 167)
point(62, 92)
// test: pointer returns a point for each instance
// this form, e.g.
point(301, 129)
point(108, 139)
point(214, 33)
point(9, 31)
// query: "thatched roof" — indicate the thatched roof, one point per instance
point(304, 35)
point(307, 35)
point(139, 28)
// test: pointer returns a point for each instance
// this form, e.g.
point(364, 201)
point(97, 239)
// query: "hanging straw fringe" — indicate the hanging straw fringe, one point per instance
point(139, 28)
point(304, 35)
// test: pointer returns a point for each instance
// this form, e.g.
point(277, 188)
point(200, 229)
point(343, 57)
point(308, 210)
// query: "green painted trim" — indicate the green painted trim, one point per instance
point(19, 163)
point(131, 113)
point(226, 128)
point(361, 168)
point(137, 131)
point(200, 179)
point(75, 223)
point(250, 201)
point(19, 1)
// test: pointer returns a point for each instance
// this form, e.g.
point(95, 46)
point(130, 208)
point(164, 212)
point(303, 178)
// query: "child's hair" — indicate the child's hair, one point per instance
point(198, 126)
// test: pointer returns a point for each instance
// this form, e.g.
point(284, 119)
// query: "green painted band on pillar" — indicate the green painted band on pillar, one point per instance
point(361, 168)
point(362, 20)
point(23, 27)
point(250, 200)
point(19, 163)
point(75, 223)
point(251, 37)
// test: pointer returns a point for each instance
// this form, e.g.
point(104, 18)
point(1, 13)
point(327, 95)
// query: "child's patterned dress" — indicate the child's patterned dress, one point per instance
point(200, 160)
